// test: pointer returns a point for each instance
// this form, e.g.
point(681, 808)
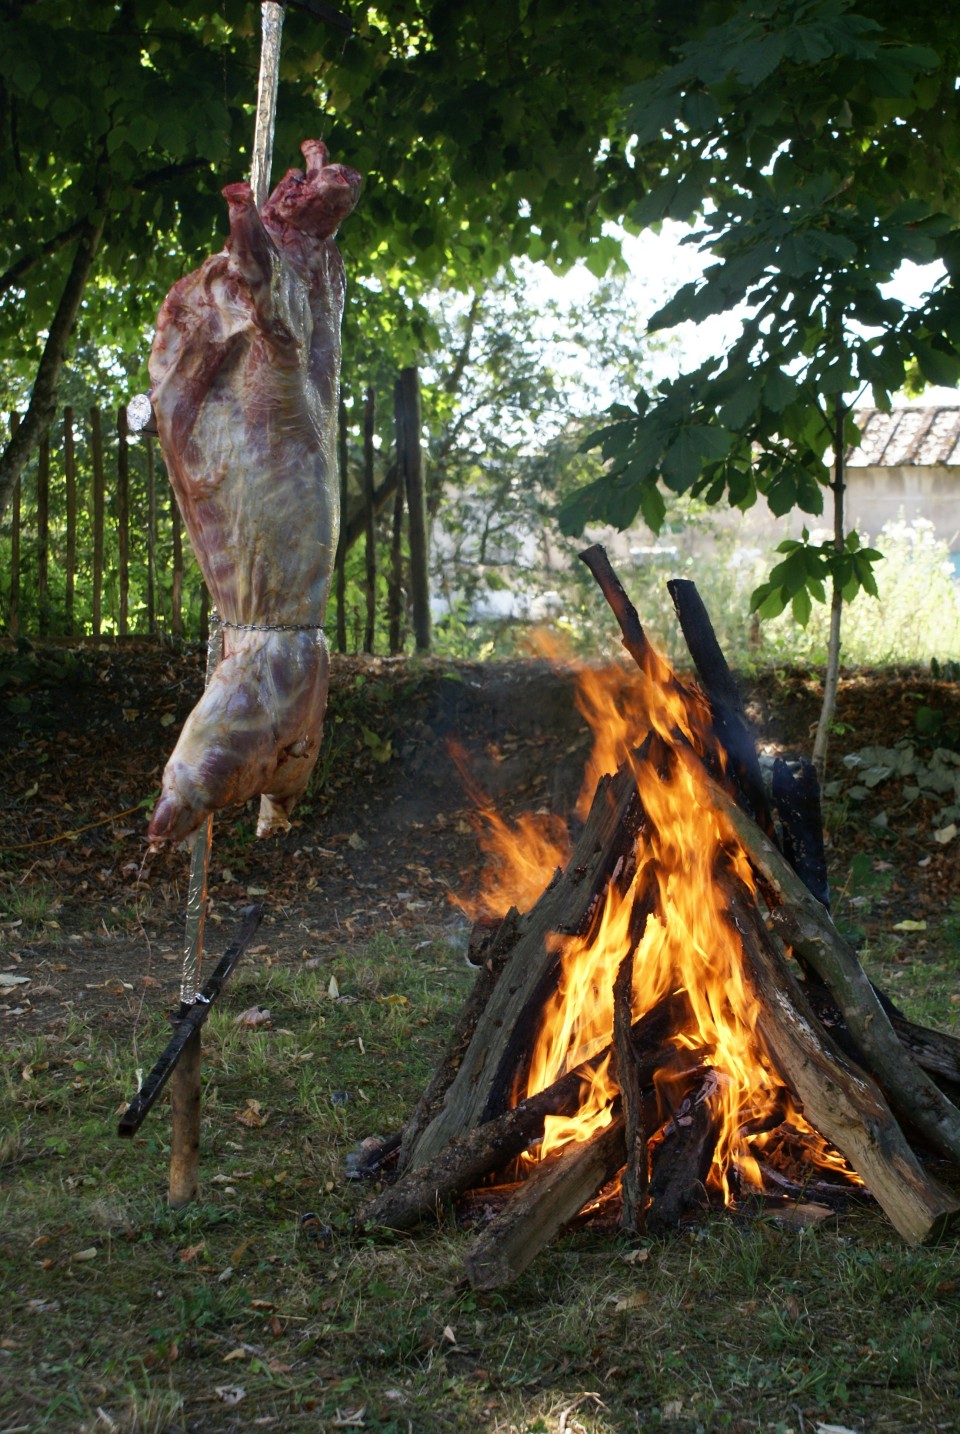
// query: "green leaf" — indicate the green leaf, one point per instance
point(802, 607)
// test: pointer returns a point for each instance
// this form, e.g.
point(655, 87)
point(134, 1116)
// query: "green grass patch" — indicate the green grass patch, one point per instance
point(233, 1315)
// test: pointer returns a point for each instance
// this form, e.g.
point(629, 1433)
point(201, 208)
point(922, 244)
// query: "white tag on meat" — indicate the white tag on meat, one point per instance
point(245, 370)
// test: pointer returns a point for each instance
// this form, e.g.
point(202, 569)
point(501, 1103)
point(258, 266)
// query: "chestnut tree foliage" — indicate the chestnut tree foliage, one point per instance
point(816, 139)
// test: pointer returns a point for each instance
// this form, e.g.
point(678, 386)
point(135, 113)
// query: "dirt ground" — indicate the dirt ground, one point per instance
point(383, 840)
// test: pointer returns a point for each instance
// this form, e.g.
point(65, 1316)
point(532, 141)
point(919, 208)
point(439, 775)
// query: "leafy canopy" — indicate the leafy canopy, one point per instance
point(799, 129)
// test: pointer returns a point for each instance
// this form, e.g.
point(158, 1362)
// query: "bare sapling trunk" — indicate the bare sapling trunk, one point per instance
point(829, 704)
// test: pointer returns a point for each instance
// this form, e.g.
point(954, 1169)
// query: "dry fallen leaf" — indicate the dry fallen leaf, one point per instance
point(253, 1016)
point(231, 1394)
point(253, 1117)
point(635, 1301)
point(82, 1256)
point(191, 1252)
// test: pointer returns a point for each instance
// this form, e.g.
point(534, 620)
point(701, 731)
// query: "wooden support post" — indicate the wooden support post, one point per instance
point(183, 1182)
point(369, 514)
point(43, 535)
point(151, 540)
point(13, 611)
point(70, 476)
point(411, 460)
point(123, 520)
point(96, 452)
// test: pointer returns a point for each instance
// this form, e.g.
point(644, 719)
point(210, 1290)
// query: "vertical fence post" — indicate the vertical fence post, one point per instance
point(341, 561)
point(123, 518)
point(370, 537)
point(96, 452)
point(151, 540)
point(13, 611)
point(70, 474)
point(43, 535)
point(395, 593)
point(176, 589)
point(411, 471)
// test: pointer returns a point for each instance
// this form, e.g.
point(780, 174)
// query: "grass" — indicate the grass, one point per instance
point(236, 1314)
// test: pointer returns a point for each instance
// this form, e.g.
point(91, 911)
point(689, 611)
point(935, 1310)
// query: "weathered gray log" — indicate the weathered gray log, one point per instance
point(837, 1098)
point(504, 1032)
point(808, 929)
point(552, 1195)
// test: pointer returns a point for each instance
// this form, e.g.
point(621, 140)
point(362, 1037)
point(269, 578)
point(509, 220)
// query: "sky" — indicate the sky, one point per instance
point(659, 264)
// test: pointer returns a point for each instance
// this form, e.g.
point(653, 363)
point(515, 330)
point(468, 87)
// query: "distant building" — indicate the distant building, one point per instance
point(907, 466)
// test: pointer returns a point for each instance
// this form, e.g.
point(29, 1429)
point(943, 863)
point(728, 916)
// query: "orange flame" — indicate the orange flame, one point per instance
point(687, 943)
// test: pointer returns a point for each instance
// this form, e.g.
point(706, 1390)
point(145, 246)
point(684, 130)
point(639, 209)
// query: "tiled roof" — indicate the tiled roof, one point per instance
point(924, 436)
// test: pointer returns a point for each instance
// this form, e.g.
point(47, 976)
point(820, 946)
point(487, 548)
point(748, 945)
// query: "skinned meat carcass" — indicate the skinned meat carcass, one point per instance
point(245, 370)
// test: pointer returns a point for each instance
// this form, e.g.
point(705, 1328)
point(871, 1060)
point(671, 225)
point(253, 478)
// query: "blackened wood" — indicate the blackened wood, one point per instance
point(681, 1160)
point(96, 453)
point(369, 516)
point(43, 535)
point(190, 1019)
point(553, 1194)
point(841, 1101)
point(410, 456)
point(490, 1147)
point(70, 478)
point(796, 796)
point(501, 1043)
point(631, 628)
point(490, 949)
point(807, 928)
point(627, 1074)
point(123, 519)
point(726, 707)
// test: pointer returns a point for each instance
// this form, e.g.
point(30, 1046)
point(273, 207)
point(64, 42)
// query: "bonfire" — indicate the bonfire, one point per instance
point(675, 1021)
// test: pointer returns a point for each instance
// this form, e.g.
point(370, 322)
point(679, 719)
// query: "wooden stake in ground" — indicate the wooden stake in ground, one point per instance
point(185, 1081)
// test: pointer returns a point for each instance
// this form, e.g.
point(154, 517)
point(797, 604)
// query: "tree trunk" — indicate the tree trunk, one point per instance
point(411, 459)
point(40, 410)
point(341, 559)
point(123, 521)
point(13, 611)
point(43, 535)
point(829, 704)
point(70, 475)
point(96, 449)
point(369, 514)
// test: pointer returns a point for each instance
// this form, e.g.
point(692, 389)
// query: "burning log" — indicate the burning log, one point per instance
point(807, 928)
point(469, 1158)
point(500, 1043)
point(839, 1100)
point(641, 1020)
point(552, 1195)
point(681, 1159)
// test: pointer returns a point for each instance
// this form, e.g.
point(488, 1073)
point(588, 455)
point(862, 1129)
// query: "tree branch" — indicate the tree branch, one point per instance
point(39, 412)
